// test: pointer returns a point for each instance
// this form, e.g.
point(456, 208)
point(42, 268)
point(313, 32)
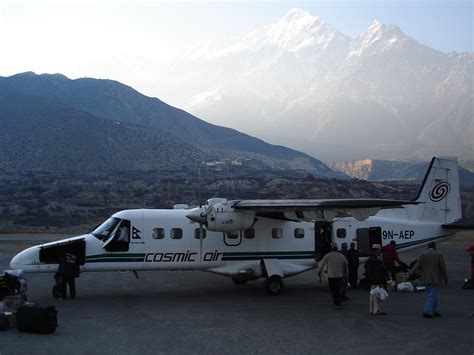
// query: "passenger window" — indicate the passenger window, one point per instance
point(277, 233)
point(198, 232)
point(232, 235)
point(249, 233)
point(158, 233)
point(299, 233)
point(341, 233)
point(176, 233)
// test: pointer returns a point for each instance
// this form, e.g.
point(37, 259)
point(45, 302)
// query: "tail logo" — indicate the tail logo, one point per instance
point(440, 191)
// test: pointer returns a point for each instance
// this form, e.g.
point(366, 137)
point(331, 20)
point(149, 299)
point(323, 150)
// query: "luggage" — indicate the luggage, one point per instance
point(37, 319)
point(391, 286)
point(3, 322)
point(405, 287)
point(401, 277)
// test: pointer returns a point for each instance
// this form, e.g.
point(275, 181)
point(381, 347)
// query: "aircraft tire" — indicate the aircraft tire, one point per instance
point(56, 291)
point(239, 282)
point(274, 285)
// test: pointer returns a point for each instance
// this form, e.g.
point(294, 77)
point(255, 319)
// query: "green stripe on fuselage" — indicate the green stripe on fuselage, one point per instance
point(269, 253)
point(117, 255)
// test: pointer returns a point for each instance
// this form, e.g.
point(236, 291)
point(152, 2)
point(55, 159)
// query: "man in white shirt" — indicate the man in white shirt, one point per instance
point(336, 267)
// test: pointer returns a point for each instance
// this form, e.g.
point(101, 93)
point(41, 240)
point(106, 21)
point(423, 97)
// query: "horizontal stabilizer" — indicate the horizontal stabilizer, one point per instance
point(458, 226)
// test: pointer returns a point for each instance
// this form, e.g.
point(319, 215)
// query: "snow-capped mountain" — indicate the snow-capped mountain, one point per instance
point(303, 83)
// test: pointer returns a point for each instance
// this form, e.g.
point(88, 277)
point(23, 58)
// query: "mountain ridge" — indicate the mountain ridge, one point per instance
point(115, 102)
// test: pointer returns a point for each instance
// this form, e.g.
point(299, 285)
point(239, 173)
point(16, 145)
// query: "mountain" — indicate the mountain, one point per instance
point(43, 116)
point(377, 170)
point(40, 133)
point(382, 94)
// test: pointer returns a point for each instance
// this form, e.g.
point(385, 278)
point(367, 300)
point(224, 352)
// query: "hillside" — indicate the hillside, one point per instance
point(108, 100)
point(76, 201)
point(38, 133)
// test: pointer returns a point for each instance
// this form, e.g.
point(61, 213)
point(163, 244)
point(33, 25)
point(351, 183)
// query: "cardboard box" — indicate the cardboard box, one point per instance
point(391, 286)
point(401, 277)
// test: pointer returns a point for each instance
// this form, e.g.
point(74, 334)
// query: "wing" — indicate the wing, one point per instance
point(326, 209)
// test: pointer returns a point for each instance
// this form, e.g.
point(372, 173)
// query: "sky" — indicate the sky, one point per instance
point(133, 42)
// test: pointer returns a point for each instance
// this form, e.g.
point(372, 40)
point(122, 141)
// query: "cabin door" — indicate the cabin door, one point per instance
point(322, 239)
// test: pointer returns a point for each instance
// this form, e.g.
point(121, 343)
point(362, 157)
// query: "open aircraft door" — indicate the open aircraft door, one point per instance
point(322, 239)
point(366, 237)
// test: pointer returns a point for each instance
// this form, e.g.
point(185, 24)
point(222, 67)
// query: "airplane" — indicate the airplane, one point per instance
point(251, 239)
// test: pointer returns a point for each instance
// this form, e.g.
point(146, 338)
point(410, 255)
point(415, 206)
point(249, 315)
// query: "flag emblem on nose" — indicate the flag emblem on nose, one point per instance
point(136, 233)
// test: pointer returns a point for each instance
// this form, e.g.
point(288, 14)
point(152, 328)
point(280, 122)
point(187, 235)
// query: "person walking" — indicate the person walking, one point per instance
point(390, 256)
point(344, 279)
point(432, 268)
point(68, 271)
point(353, 265)
point(336, 267)
point(376, 276)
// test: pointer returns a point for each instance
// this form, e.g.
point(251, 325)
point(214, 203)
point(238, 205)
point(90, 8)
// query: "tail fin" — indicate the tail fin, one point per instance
point(439, 193)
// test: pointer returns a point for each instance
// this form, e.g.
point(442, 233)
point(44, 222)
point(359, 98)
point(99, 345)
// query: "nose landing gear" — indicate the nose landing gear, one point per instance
point(57, 290)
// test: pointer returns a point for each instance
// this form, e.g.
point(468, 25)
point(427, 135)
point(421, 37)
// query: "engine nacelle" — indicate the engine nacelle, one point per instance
point(229, 221)
point(219, 216)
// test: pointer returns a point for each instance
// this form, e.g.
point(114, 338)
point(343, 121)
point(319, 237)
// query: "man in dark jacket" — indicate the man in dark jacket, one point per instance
point(353, 264)
point(344, 279)
point(433, 272)
point(376, 276)
point(68, 271)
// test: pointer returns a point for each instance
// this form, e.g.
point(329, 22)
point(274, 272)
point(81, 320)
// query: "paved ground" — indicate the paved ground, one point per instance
point(195, 312)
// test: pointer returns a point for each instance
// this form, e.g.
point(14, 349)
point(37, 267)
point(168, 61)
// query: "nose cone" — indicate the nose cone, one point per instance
point(26, 259)
point(197, 215)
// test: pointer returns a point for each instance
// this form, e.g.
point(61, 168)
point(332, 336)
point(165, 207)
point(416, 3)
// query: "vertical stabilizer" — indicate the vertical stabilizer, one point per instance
point(439, 193)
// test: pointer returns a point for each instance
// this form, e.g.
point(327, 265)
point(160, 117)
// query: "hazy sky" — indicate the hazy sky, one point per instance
point(133, 41)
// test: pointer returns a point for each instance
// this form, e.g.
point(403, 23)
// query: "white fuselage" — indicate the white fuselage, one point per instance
point(239, 254)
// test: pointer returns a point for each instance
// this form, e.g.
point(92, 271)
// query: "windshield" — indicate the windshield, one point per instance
point(104, 231)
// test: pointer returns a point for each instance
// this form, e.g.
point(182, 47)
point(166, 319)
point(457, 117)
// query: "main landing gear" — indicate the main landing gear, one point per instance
point(274, 285)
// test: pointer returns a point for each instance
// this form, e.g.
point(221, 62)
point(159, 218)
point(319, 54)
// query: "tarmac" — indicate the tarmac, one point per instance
point(193, 312)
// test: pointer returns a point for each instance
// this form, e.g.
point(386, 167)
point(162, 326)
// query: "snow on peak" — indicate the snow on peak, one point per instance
point(298, 15)
point(385, 30)
point(377, 38)
point(298, 29)
point(376, 25)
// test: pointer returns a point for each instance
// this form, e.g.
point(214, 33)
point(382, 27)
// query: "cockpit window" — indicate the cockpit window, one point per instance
point(104, 231)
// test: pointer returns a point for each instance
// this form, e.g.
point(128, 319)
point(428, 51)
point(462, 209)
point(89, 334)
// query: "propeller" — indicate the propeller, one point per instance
point(199, 215)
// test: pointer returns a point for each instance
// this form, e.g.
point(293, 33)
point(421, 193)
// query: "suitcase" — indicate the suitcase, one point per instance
point(37, 319)
point(3, 322)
